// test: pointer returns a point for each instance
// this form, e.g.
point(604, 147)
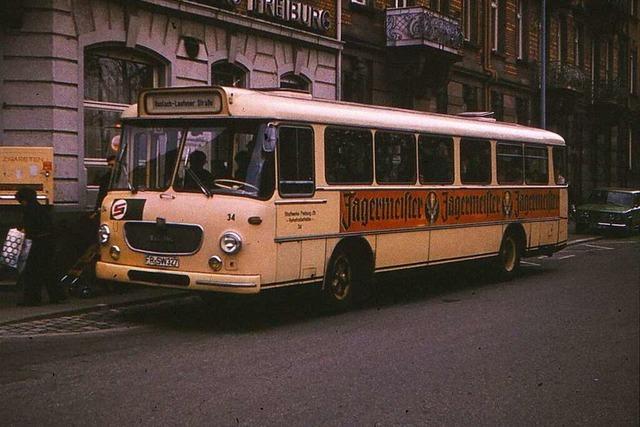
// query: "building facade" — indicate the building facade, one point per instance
point(68, 67)
point(452, 56)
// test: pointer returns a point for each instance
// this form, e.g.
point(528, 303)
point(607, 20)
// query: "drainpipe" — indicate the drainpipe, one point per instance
point(490, 72)
point(339, 59)
point(543, 65)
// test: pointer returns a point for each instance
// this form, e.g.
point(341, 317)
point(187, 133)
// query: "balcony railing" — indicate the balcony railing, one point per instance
point(613, 91)
point(566, 77)
point(417, 26)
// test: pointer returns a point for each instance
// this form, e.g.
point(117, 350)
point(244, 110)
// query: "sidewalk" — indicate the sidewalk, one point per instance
point(10, 295)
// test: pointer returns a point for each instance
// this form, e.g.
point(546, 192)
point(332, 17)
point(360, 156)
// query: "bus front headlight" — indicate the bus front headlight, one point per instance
point(230, 242)
point(103, 234)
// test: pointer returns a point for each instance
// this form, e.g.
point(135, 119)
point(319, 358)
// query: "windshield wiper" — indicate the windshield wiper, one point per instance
point(204, 189)
point(129, 184)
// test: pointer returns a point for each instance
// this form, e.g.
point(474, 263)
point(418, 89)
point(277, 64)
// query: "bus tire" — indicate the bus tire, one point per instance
point(507, 263)
point(341, 281)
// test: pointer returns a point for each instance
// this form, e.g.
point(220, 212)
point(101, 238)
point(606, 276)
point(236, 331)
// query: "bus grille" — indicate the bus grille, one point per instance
point(162, 238)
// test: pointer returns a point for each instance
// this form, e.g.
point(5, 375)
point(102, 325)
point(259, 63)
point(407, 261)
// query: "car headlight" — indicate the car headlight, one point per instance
point(103, 234)
point(230, 242)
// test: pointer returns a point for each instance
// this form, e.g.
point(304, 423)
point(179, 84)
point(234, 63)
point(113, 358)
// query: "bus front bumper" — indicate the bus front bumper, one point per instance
point(238, 284)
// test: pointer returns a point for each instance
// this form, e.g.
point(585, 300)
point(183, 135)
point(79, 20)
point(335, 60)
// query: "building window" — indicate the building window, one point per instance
point(578, 45)
point(470, 97)
point(520, 30)
point(497, 105)
point(357, 77)
point(633, 71)
point(226, 74)
point(113, 78)
point(562, 39)
point(608, 61)
point(294, 81)
point(593, 62)
point(470, 20)
point(441, 6)
point(522, 111)
point(494, 25)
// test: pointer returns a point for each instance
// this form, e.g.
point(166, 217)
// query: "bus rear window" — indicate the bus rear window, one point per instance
point(475, 161)
point(348, 155)
point(560, 165)
point(536, 165)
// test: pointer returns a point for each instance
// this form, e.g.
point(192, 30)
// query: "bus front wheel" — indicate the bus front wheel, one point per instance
point(340, 281)
point(508, 261)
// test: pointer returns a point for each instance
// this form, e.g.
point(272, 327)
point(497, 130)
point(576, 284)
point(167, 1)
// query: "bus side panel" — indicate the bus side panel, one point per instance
point(549, 232)
point(464, 242)
point(288, 263)
point(312, 258)
point(402, 249)
point(534, 235)
point(562, 231)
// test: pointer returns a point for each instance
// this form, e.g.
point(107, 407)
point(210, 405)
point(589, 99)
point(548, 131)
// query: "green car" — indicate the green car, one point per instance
point(610, 208)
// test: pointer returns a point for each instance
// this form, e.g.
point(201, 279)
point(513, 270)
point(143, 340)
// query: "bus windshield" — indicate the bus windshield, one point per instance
point(220, 157)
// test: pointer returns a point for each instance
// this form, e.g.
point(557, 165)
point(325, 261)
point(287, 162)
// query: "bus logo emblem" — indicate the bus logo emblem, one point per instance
point(119, 209)
point(507, 203)
point(433, 207)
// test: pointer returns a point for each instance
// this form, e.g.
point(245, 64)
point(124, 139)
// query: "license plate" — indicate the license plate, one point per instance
point(162, 261)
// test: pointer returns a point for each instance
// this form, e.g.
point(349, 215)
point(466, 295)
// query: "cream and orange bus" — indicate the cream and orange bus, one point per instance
point(233, 190)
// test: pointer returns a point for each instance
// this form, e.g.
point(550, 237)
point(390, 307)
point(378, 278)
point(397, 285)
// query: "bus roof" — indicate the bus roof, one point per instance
point(296, 107)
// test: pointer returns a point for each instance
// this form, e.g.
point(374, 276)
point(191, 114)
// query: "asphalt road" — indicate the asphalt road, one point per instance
point(557, 346)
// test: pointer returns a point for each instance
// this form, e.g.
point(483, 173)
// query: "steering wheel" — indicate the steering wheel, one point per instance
point(229, 184)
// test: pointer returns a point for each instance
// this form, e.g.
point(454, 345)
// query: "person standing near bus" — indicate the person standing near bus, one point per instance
point(37, 225)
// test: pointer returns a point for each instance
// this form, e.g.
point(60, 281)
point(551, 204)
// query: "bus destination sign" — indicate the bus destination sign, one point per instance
point(394, 209)
point(188, 102)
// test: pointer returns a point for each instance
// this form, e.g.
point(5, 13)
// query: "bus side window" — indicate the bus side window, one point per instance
point(536, 165)
point(510, 163)
point(435, 156)
point(560, 165)
point(395, 158)
point(475, 161)
point(348, 156)
point(295, 161)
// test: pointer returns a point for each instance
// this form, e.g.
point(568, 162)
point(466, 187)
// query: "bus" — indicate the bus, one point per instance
point(221, 189)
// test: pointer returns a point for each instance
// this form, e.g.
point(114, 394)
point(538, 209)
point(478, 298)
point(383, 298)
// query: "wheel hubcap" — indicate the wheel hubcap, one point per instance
point(341, 281)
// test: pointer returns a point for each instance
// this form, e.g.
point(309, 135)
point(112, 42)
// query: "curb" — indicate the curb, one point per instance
point(147, 300)
point(95, 307)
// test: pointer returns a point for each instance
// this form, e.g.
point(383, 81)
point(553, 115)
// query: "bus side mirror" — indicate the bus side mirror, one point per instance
point(270, 138)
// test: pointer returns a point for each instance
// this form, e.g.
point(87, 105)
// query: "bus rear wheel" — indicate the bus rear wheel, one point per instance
point(340, 281)
point(508, 261)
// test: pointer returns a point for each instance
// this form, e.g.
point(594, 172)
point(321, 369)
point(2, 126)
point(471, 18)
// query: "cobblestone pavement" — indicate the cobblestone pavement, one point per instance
point(73, 324)
point(138, 315)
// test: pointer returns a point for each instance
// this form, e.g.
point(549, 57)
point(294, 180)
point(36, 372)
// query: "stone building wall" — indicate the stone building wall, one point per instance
point(42, 65)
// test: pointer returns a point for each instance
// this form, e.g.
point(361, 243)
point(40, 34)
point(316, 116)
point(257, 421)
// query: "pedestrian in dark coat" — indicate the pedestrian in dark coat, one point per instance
point(39, 268)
